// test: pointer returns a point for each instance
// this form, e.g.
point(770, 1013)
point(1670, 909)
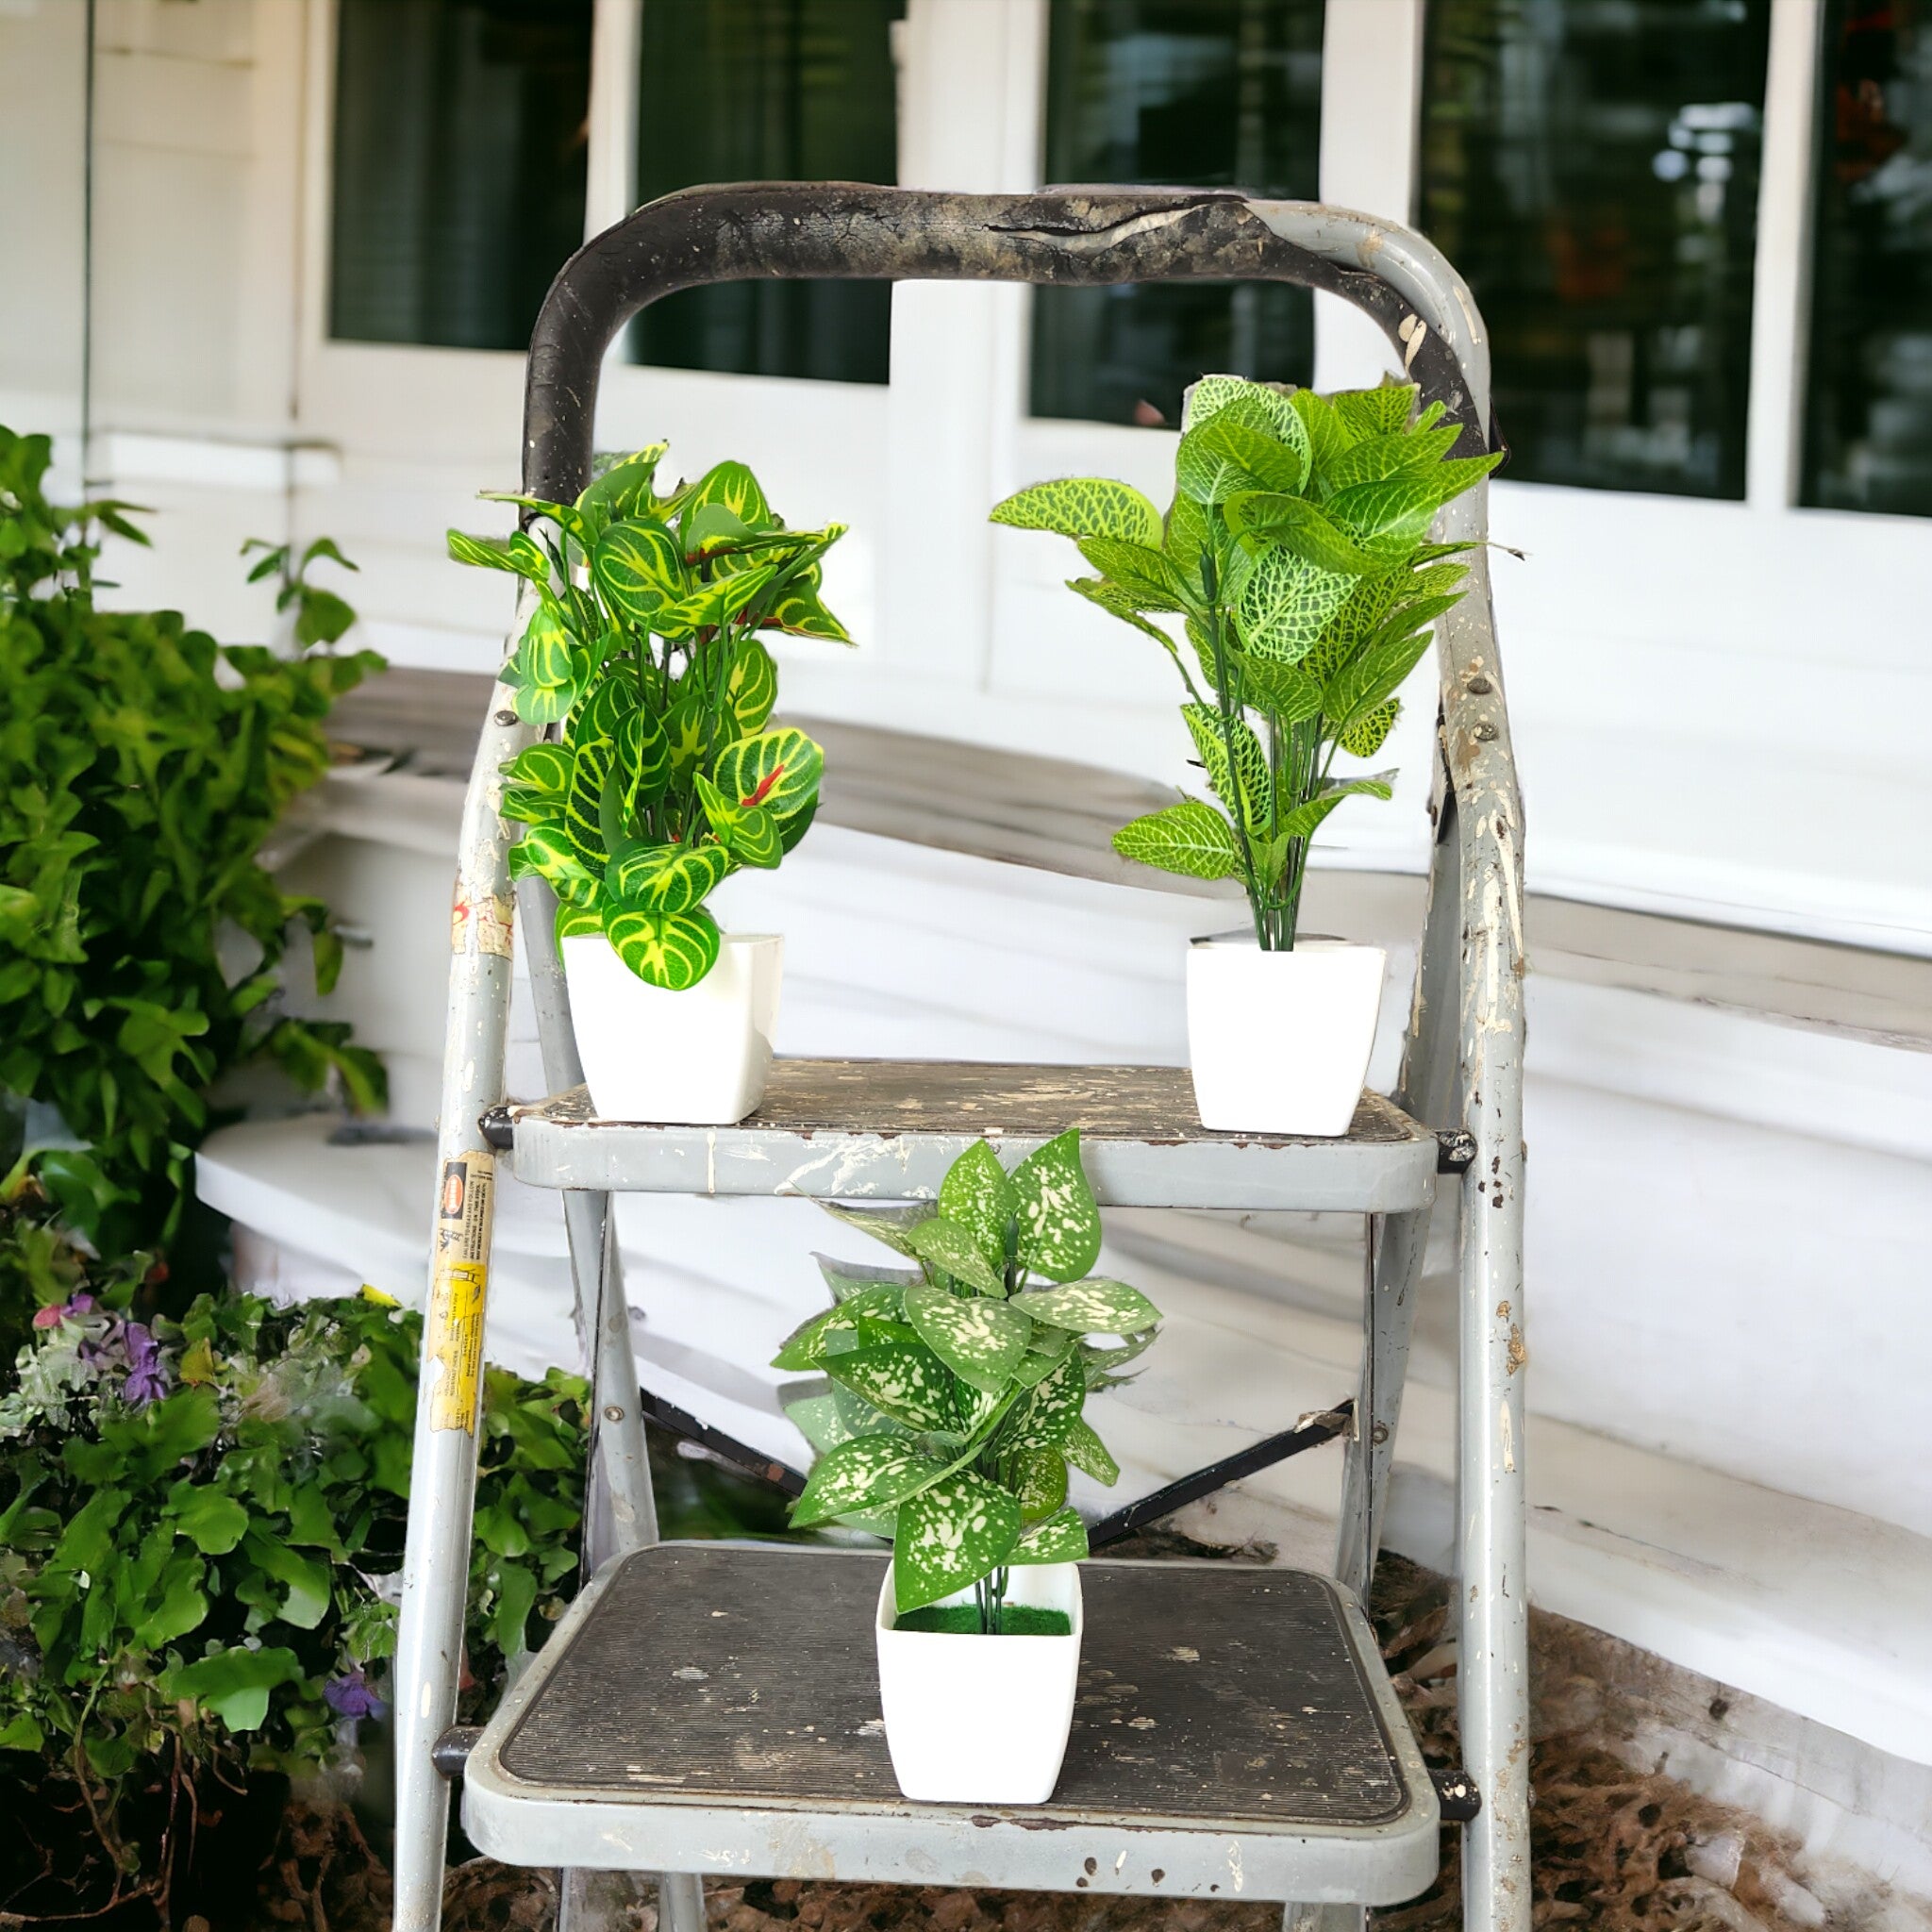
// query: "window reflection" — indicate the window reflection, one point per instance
point(768, 91)
point(1869, 429)
point(1591, 167)
point(1196, 93)
point(459, 166)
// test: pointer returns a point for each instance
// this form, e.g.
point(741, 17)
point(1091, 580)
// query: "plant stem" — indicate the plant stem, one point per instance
point(1237, 806)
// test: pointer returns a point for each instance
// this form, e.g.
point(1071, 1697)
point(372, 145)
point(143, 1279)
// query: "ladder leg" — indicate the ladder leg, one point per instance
point(680, 1902)
point(442, 1477)
point(1324, 1918)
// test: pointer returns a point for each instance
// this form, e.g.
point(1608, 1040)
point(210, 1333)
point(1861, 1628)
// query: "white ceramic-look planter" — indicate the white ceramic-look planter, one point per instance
point(697, 1058)
point(981, 1720)
point(1279, 1043)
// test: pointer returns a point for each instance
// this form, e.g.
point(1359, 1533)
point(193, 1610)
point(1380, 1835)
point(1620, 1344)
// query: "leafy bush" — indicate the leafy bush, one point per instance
point(201, 1529)
point(141, 766)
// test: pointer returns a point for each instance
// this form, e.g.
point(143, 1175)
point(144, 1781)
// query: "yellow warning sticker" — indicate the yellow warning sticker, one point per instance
point(458, 1290)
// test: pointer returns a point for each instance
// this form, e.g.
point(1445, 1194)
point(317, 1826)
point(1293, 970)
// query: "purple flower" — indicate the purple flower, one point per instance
point(147, 1374)
point(352, 1695)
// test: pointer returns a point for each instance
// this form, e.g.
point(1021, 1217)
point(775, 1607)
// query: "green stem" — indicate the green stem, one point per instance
point(1236, 815)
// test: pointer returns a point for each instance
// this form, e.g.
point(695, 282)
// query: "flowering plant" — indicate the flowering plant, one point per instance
point(200, 1528)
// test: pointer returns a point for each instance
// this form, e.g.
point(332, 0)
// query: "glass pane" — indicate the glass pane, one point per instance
point(459, 166)
point(1184, 93)
point(1591, 167)
point(1869, 433)
point(769, 90)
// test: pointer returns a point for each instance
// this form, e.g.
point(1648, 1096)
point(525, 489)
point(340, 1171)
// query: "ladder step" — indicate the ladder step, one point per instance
point(714, 1708)
point(889, 1129)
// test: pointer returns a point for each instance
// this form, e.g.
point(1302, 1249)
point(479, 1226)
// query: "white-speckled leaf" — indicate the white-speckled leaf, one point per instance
point(1039, 1478)
point(948, 1246)
point(892, 1225)
point(863, 1477)
point(910, 1385)
point(977, 1196)
point(804, 1347)
point(950, 1535)
point(849, 1278)
point(826, 1415)
point(980, 1340)
point(1089, 1455)
point(1042, 1417)
point(1061, 1539)
point(1048, 1347)
point(1096, 1307)
point(1059, 1225)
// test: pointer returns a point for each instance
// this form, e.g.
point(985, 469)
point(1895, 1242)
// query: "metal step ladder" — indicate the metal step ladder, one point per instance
point(711, 1708)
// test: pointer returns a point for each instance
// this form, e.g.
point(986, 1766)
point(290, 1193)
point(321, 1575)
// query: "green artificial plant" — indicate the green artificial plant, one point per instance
point(1295, 553)
point(951, 1405)
point(665, 776)
point(141, 767)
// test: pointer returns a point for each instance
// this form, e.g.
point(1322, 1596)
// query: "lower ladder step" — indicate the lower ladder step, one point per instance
point(714, 1708)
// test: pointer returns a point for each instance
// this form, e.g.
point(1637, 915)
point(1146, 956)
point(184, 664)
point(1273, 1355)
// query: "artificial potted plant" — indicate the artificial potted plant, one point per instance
point(949, 1412)
point(1295, 554)
point(660, 774)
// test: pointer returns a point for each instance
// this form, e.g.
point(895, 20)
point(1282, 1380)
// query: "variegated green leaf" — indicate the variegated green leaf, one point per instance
point(1100, 1361)
point(1096, 1307)
point(713, 604)
point(799, 610)
point(980, 1340)
point(1224, 458)
point(1061, 1539)
point(544, 852)
point(544, 655)
point(666, 878)
point(1328, 435)
point(1366, 736)
point(944, 1244)
point(890, 1225)
point(487, 553)
point(1306, 819)
point(1059, 1223)
point(1089, 1455)
point(863, 1476)
point(752, 687)
point(571, 521)
point(1083, 507)
point(803, 1348)
point(638, 568)
point(541, 767)
point(977, 1196)
point(1190, 837)
point(1045, 1350)
point(751, 834)
point(1042, 1418)
point(1119, 603)
point(1254, 403)
point(732, 486)
point(623, 490)
point(1185, 539)
point(572, 920)
point(1379, 412)
point(950, 1535)
point(1141, 574)
point(847, 1279)
point(1370, 679)
point(684, 727)
point(1285, 603)
point(1212, 734)
point(1286, 692)
point(673, 950)
point(590, 768)
point(1039, 1478)
point(910, 1384)
point(1378, 456)
point(779, 770)
point(1298, 526)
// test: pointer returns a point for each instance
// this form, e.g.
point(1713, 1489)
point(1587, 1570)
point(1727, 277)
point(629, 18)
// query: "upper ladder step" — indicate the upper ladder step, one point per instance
point(889, 1129)
point(714, 1708)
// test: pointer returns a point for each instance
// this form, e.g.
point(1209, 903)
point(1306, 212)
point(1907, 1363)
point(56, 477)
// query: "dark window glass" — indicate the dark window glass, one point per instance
point(769, 90)
point(1869, 431)
point(1182, 93)
point(1591, 167)
point(459, 166)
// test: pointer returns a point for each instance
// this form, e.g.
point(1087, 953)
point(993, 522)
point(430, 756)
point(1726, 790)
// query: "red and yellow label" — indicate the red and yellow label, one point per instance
point(458, 1288)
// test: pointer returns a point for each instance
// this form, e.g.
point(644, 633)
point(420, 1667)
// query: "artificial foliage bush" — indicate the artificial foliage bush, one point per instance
point(200, 1534)
point(642, 650)
point(952, 1398)
point(1295, 553)
point(141, 767)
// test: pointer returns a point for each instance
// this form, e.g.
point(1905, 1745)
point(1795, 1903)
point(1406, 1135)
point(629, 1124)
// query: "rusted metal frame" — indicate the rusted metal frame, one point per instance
point(1397, 1244)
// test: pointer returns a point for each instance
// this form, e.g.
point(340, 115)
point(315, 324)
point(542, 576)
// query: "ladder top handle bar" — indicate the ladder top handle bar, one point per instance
point(1079, 237)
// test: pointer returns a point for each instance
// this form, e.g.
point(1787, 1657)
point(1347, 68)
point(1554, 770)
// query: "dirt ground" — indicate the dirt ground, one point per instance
point(1616, 1849)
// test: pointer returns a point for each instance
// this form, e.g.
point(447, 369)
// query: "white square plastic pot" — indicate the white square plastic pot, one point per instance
point(1279, 1043)
point(973, 1720)
point(697, 1058)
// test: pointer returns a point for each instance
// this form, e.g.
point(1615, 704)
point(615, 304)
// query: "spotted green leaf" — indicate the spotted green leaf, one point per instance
point(950, 1535)
point(1045, 1350)
point(1089, 1455)
point(779, 770)
point(977, 1196)
point(752, 835)
point(1044, 1415)
point(1190, 837)
point(890, 1225)
point(1096, 1307)
point(674, 950)
point(1061, 1539)
point(666, 878)
point(980, 1340)
point(848, 1279)
point(908, 1383)
point(807, 1347)
point(865, 1475)
point(1082, 507)
point(1285, 603)
point(946, 1245)
point(1039, 1478)
point(1100, 1361)
point(1059, 1223)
